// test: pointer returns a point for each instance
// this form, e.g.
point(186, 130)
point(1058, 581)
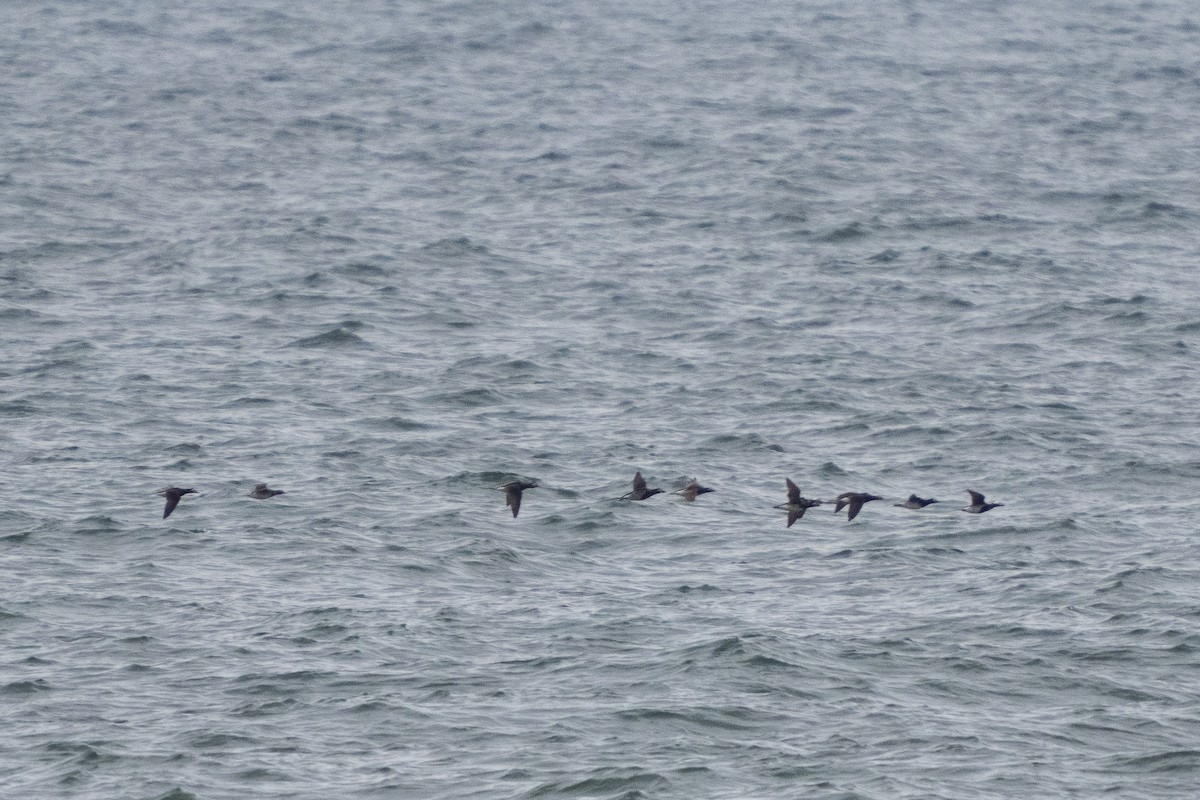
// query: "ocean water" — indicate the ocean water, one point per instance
point(389, 255)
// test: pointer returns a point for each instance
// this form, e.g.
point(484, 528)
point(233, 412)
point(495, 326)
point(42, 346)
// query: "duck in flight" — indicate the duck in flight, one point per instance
point(512, 494)
point(916, 502)
point(640, 492)
point(173, 495)
point(796, 505)
point(690, 491)
point(855, 500)
point(978, 504)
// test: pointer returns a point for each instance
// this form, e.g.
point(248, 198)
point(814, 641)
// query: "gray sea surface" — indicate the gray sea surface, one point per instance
point(387, 256)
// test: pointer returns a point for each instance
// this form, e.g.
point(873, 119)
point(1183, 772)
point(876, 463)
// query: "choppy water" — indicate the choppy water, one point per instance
point(386, 256)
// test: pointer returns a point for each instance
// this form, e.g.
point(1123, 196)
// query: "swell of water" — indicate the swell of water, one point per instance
point(387, 257)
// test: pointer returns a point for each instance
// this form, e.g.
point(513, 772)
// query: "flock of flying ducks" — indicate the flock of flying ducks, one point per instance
point(795, 505)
